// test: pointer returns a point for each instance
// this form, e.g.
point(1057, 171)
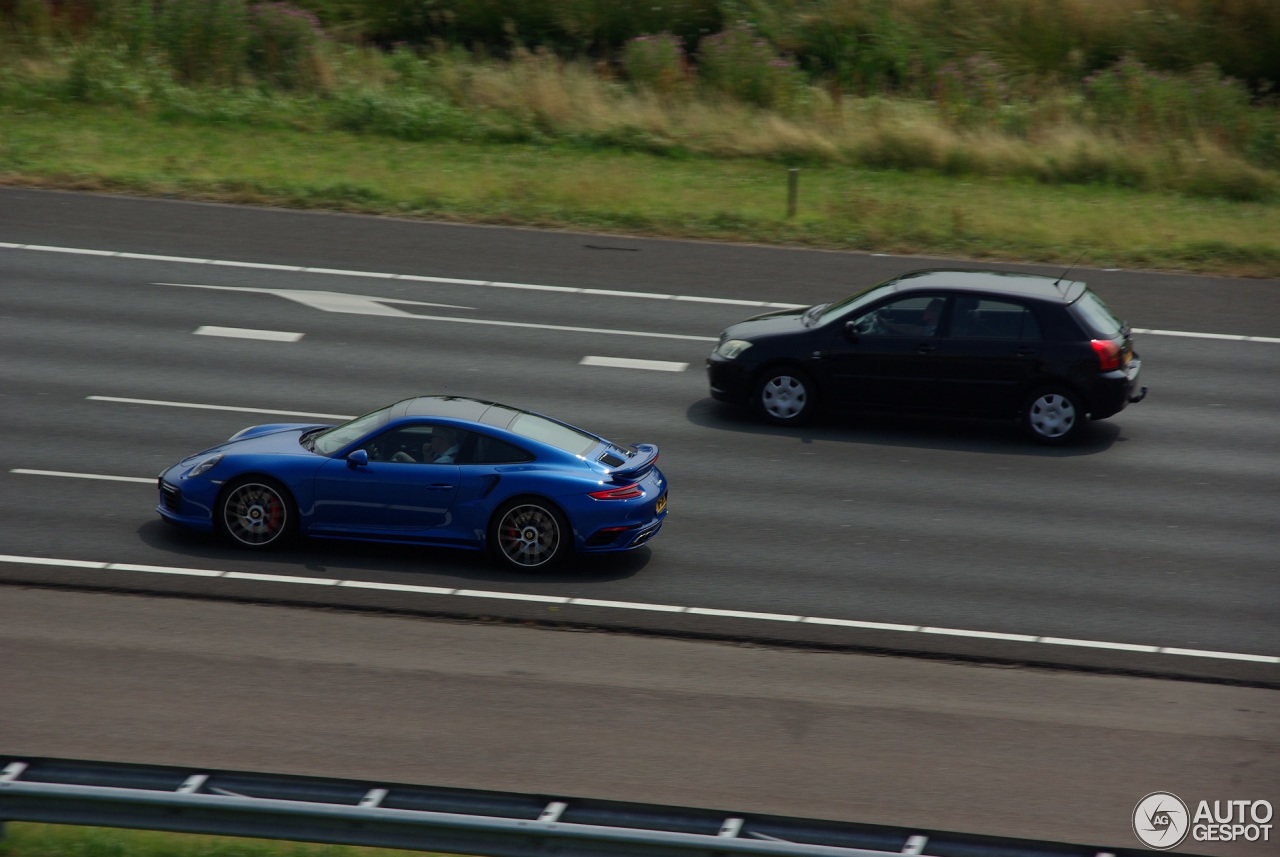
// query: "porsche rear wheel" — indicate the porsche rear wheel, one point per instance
point(530, 534)
point(256, 513)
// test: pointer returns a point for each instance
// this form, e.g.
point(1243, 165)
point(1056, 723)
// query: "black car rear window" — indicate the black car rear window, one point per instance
point(1098, 316)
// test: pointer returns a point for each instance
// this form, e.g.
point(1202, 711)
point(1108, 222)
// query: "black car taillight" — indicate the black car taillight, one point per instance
point(1108, 354)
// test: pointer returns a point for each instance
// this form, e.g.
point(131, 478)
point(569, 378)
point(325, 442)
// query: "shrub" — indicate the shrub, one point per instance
point(741, 65)
point(1129, 95)
point(657, 63)
point(28, 20)
point(204, 40)
point(131, 23)
point(283, 46)
point(972, 92)
point(407, 116)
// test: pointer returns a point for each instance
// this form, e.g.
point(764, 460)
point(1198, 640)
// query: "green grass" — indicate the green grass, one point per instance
point(560, 185)
point(56, 840)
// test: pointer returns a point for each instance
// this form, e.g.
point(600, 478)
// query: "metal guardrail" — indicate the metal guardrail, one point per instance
point(451, 821)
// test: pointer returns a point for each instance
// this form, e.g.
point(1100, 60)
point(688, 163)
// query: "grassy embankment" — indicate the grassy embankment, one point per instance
point(1130, 166)
point(53, 840)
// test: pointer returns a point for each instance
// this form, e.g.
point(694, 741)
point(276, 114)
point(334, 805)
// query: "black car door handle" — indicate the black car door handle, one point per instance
point(927, 348)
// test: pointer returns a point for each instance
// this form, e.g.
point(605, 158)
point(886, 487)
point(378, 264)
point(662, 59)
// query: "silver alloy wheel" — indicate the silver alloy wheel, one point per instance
point(1052, 415)
point(528, 535)
point(255, 514)
point(784, 397)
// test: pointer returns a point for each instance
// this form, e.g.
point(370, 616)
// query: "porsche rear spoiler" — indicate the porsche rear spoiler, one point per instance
point(639, 464)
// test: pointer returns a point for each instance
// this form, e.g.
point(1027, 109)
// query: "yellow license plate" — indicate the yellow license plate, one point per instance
point(662, 504)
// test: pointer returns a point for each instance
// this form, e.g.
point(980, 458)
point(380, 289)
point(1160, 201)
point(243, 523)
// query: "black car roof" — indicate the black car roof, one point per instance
point(1045, 288)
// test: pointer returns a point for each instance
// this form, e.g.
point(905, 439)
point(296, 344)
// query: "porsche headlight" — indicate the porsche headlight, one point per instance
point(204, 466)
point(730, 349)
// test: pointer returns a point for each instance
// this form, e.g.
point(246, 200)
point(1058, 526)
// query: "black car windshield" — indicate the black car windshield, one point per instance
point(1098, 316)
point(826, 312)
point(331, 440)
point(571, 440)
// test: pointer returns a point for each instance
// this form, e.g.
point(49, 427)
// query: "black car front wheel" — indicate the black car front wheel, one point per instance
point(256, 512)
point(785, 396)
point(1054, 415)
point(530, 534)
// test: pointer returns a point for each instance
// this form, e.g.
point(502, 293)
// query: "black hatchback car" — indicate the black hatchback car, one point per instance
point(1047, 352)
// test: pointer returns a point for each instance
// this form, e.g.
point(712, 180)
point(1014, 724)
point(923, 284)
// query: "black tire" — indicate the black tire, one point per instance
point(256, 512)
point(1054, 415)
point(530, 534)
point(785, 396)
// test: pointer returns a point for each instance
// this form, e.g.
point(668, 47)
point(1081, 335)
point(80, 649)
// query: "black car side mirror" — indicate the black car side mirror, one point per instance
point(359, 458)
point(851, 331)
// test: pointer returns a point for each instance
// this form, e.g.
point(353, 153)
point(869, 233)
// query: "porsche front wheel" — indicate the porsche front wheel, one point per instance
point(256, 513)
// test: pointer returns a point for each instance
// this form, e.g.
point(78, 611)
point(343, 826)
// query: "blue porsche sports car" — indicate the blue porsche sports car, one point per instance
point(437, 470)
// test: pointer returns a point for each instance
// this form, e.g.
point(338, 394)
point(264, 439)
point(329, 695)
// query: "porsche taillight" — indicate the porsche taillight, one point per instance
point(622, 492)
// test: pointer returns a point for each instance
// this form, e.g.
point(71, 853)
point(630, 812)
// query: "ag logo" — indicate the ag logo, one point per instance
point(1161, 820)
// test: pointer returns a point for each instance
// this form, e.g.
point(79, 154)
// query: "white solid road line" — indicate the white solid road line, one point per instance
point(339, 272)
point(203, 407)
point(1188, 335)
point(292, 580)
point(631, 363)
point(101, 476)
point(247, 333)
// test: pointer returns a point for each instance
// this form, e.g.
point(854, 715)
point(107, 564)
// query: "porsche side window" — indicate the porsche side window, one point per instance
point(490, 450)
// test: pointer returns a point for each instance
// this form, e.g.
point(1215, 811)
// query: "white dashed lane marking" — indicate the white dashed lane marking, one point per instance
point(292, 580)
point(247, 333)
point(631, 363)
point(363, 305)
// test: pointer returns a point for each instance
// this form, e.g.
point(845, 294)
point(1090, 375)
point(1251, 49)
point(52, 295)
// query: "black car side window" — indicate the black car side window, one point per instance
point(917, 315)
point(984, 318)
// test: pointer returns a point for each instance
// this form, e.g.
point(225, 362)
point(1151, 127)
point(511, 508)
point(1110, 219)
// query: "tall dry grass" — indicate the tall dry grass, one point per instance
point(1011, 109)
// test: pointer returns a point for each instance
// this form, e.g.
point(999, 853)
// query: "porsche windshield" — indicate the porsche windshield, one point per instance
point(331, 440)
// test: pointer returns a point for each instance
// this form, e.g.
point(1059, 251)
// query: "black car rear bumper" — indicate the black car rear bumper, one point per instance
point(1113, 391)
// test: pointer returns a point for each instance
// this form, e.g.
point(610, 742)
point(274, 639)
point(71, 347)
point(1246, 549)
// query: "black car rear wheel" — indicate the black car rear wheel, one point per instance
point(530, 534)
point(256, 512)
point(1054, 415)
point(785, 396)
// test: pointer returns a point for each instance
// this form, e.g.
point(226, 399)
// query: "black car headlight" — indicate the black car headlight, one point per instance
point(204, 466)
point(731, 349)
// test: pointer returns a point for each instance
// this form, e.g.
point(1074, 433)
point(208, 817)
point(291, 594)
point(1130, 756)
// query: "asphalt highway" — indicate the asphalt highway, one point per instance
point(1158, 533)
point(1121, 586)
point(1050, 755)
